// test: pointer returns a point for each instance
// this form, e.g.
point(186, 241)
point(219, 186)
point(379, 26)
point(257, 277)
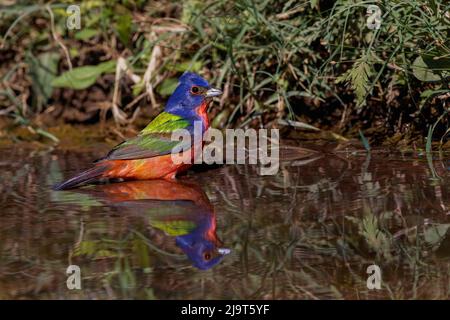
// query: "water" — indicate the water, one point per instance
point(310, 232)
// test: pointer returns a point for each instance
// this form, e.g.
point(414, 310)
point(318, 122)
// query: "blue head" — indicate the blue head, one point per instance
point(201, 245)
point(202, 252)
point(192, 92)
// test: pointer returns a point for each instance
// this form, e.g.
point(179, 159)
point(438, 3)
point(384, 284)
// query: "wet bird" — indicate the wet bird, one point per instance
point(149, 154)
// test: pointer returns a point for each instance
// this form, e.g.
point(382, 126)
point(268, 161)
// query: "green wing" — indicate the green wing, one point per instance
point(154, 140)
point(176, 218)
point(165, 122)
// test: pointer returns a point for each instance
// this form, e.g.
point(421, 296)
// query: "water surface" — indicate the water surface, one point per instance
point(309, 232)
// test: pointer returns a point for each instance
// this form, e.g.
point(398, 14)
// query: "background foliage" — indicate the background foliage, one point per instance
point(289, 64)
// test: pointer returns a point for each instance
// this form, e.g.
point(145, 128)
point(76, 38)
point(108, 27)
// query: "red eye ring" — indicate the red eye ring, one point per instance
point(195, 90)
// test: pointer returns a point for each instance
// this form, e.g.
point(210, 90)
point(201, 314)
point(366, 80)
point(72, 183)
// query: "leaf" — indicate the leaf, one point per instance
point(190, 10)
point(124, 27)
point(47, 135)
point(358, 76)
point(422, 72)
point(43, 70)
point(167, 86)
point(364, 141)
point(187, 65)
point(137, 88)
point(221, 119)
point(428, 146)
point(373, 235)
point(314, 4)
point(86, 247)
point(83, 77)
point(104, 253)
point(437, 62)
point(140, 248)
point(297, 124)
point(428, 94)
point(435, 233)
point(86, 34)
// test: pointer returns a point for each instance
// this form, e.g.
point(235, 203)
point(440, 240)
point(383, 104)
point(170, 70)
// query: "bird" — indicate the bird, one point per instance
point(181, 210)
point(149, 154)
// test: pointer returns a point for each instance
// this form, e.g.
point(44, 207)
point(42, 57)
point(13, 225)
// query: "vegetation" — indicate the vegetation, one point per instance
point(289, 64)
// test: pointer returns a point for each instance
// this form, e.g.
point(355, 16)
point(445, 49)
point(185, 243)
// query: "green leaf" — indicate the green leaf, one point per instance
point(124, 28)
point(439, 63)
point(364, 141)
point(86, 34)
point(167, 86)
point(47, 135)
point(435, 233)
point(43, 70)
point(314, 4)
point(221, 119)
point(190, 10)
point(297, 124)
point(187, 65)
point(358, 76)
point(137, 88)
point(86, 247)
point(83, 77)
point(422, 72)
point(429, 94)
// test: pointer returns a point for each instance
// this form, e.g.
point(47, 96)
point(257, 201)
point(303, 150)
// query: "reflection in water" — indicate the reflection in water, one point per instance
point(181, 210)
point(309, 232)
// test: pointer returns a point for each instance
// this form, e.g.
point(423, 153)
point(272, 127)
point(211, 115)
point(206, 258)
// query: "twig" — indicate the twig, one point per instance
point(56, 37)
point(151, 67)
point(119, 115)
point(136, 100)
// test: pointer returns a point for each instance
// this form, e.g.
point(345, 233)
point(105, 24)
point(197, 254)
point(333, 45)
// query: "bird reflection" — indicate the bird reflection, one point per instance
point(181, 210)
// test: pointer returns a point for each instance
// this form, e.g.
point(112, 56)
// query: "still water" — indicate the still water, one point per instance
point(309, 232)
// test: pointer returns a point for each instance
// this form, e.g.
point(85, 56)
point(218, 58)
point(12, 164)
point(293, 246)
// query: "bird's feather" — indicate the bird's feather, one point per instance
point(165, 122)
point(154, 140)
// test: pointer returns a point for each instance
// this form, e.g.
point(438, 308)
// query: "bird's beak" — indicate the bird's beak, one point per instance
point(213, 93)
point(223, 251)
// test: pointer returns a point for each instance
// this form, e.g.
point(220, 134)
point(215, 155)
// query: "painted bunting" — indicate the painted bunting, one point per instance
point(180, 210)
point(149, 154)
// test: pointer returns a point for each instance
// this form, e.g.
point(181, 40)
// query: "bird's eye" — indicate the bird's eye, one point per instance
point(207, 256)
point(195, 90)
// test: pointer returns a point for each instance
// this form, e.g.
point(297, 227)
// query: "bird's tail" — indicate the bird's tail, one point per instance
point(84, 177)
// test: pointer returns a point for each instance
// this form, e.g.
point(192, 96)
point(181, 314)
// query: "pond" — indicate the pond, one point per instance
point(225, 232)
